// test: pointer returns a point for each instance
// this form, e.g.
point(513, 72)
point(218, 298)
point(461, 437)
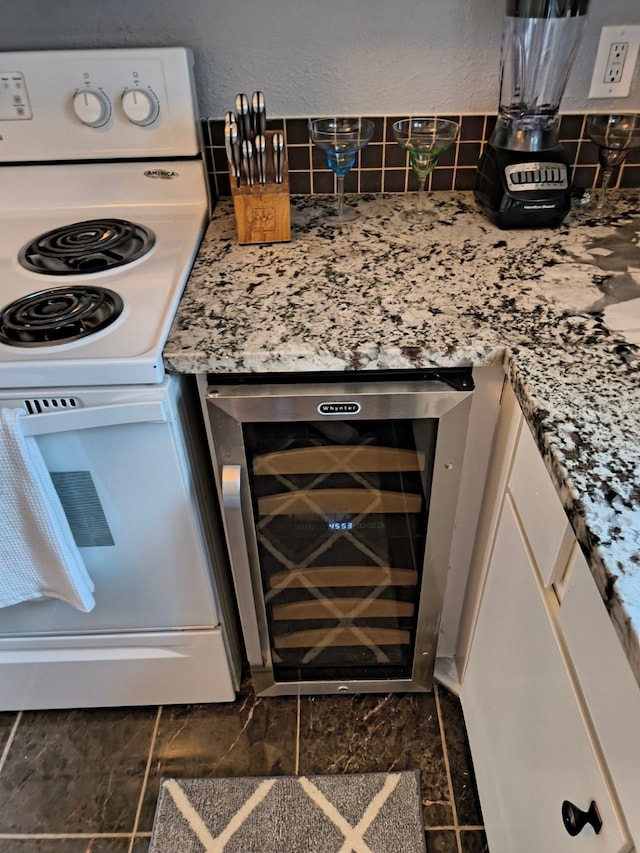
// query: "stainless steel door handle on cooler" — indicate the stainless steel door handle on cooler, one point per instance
point(240, 566)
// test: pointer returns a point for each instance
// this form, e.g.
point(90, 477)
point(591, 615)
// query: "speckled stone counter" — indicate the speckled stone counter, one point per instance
point(379, 294)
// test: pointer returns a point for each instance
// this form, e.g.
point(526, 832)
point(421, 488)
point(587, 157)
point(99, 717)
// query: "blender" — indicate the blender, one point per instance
point(523, 177)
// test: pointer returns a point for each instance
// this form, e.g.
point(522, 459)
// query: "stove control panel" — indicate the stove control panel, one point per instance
point(141, 106)
point(14, 98)
point(92, 107)
point(127, 93)
point(98, 104)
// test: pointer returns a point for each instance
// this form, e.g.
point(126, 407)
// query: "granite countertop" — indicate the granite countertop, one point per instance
point(558, 308)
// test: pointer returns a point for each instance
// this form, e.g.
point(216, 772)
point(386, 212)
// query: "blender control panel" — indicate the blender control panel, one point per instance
point(523, 177)
point(14, 98)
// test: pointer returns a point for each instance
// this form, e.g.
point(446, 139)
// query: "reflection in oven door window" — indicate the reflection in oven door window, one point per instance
point(82, 507)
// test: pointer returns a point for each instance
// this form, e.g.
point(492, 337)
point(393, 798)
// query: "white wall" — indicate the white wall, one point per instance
point(375, 57)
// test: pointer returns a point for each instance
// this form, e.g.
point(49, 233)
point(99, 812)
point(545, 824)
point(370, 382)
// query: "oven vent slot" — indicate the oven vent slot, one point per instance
point(49, 404)
point(82, 507)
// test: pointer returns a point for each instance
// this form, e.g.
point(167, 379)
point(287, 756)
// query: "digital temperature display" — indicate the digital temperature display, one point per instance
point(340, 525)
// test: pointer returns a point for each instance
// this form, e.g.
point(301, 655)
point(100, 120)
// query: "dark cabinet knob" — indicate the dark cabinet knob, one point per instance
point(575, 819)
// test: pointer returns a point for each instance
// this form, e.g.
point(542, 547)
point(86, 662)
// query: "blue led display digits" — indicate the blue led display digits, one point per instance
point(339, 521)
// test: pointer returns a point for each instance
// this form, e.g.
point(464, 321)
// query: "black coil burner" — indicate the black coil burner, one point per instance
point(86, 247)
point(58, 315)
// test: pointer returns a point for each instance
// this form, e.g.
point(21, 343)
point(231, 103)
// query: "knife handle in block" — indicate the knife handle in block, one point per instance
point(263, 211)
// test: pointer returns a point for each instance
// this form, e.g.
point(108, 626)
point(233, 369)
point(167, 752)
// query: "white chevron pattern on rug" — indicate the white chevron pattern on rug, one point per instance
point(350, 813)
point(210, 844)
point(353, 836)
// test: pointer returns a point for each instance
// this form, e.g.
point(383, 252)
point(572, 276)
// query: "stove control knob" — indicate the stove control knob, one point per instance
point(92, 107)
point(140, 106)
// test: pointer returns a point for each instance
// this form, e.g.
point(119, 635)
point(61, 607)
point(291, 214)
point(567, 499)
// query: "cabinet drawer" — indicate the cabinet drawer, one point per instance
point(541, 513)
point(608, 684)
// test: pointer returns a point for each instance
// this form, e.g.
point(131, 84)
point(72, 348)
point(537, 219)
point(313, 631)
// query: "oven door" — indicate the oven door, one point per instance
point(118, 460)
point(338, 503)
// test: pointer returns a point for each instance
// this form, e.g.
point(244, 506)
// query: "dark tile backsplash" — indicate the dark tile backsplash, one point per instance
point(382, 166)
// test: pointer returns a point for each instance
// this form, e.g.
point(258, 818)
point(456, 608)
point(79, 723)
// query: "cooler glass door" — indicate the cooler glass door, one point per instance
point(344, 508)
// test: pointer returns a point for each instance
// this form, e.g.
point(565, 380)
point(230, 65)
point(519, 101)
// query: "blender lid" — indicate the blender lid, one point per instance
point(546, 8)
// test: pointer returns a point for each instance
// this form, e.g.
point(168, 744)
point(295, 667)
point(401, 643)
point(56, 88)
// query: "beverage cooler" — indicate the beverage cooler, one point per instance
point(338, 502)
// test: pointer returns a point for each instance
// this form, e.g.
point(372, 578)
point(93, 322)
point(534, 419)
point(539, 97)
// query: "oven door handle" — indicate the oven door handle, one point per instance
point(115, 414)
point(239, 560)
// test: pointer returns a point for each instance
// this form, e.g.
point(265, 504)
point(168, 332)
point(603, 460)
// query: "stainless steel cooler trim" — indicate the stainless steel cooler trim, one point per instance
point(383, 400)
point(265, 685)
point(228, 407)
point(240, 566)
point(447, 471)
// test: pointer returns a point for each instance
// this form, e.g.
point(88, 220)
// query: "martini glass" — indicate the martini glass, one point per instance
point(424, 139)
point(341, 139)
point(615, 136)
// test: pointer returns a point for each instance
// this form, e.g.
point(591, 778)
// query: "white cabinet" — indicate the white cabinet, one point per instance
point(610, 690)
point(548, 530)
point(532, 739)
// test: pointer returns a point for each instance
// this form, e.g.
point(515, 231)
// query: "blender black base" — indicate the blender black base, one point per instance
point(500, 179)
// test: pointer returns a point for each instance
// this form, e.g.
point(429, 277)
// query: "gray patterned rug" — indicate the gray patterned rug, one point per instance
point(351, 813)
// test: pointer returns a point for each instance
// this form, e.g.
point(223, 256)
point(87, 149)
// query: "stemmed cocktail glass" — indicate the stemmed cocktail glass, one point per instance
point(615, 136)
point(341, 139)
point(424, 139)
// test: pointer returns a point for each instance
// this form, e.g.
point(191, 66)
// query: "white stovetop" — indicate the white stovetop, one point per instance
point(73, 149)
point(36, 199)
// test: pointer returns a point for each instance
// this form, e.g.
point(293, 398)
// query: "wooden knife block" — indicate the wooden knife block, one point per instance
point(263, 211)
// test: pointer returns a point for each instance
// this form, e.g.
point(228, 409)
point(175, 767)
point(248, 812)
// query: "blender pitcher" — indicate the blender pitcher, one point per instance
point(523, 176)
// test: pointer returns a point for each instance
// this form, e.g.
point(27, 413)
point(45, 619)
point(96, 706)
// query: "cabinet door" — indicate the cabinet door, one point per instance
point(530, 747)
point(609, 687)
point(543, 518)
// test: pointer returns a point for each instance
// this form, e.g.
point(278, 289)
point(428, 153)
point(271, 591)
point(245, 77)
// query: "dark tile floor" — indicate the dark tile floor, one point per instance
point(87, 781)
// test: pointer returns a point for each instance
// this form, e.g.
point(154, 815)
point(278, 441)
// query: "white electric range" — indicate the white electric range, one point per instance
point(103, 204)
point(86, 138)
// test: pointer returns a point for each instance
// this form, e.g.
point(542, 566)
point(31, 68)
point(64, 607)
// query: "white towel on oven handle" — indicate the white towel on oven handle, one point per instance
point(38, 555)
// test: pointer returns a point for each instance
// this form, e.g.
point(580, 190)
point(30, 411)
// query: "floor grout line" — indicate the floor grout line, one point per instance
point(10, 739)
point(297, 763)
point(447, 766)
point(60, 836)
point(145, 778)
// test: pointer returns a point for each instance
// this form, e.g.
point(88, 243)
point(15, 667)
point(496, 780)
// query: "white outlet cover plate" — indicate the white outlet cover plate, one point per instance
point(609, 36)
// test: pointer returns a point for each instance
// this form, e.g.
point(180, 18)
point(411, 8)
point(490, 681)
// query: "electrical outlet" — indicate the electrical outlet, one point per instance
point(615, 62)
